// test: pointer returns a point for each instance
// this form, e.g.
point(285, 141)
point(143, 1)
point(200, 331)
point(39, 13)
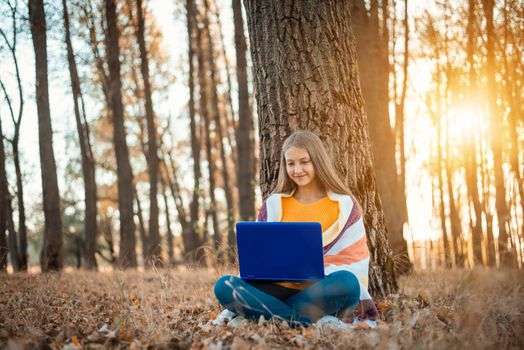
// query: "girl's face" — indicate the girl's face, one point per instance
point(299, 166)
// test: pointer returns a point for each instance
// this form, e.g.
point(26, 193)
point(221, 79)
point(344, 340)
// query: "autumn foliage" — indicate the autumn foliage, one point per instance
point(479, 309)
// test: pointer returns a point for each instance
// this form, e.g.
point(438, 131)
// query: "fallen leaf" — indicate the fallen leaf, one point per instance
point(134, 299)
point(75, 341)
point(239, 344)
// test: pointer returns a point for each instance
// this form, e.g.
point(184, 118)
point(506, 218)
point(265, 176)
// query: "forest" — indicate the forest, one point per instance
point(137, 133)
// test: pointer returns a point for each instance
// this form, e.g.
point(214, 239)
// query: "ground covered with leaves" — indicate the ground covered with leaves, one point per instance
point(171, 309)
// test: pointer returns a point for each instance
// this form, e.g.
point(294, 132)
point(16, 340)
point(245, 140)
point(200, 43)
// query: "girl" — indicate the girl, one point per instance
point(309, 190)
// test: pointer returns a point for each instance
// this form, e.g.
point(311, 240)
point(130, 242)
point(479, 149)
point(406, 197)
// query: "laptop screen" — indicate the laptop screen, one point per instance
point(280, 251)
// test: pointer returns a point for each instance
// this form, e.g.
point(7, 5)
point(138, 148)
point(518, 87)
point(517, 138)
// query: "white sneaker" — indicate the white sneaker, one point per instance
point(224, 317)
point(331, 322)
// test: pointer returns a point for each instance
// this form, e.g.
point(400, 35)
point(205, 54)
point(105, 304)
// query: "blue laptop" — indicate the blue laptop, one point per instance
point(280, 251)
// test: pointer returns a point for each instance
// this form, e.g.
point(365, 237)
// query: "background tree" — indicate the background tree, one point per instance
point(372, 39)
point(154, 251)
point(17, 121)
point(51, 258)
point(127, 255)
point(3, 204)
point(245, 131)
point(88, 163)
point(313, 84)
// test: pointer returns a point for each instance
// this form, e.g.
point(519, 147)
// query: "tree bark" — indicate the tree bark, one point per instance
point(194, 241)
point(188, 237)
point(127, 255)
point(22, 229)
point(4, 195)
point(230, 119)
point(304, 61)
point(170, 252)
point(12, 242)
point(204, 113)
point(88, 163)
point(471, 149)
point(245, 131)
point(155, 251)
point(141, 226)
point(51, 258)
point(447, 260)
point(372, 54)
point(511, 89)
point(506, 257)
point(231, 238)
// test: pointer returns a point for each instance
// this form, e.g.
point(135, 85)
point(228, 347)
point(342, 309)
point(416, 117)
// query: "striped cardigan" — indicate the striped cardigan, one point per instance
point(344, 243)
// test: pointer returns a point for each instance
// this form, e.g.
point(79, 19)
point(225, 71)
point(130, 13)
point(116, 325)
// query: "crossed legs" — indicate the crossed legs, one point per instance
point(332, 295)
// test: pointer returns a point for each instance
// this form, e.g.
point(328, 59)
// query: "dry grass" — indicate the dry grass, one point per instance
point(478, 309)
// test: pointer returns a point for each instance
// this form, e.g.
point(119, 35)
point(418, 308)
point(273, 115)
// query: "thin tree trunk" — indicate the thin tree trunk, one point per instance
point(471, 149)
point(245, 131)
point(453, 214)
point(155, 251)
point(52, 247)
point(307, 78)
point(107, 233)
point(194, 242)
point(486, 184)
point(12, 242)
point(372, 54)
point(230, 119)
point(22, 230)
point(204, 113)
point(512, 117)
point(170, 252)
point(12, 45)
point(4, 195)
point(127, 255)
point(231, 238)
point(506, 257)
point(454, 217)
point(447, 260)
point(88, 168)
point(188, 237)
point(141, 226)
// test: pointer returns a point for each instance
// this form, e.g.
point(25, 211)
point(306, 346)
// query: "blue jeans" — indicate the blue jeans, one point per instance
point(335, 294)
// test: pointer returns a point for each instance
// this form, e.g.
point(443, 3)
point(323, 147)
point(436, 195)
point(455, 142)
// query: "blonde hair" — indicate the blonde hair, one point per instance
point(322, 163)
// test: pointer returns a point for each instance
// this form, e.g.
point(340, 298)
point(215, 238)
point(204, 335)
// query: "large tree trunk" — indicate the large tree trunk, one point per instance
point(52, 247)
point(127, 255)
point(88, 164)
point(304, 61)
point(244, 132)
point(372, 54)
point(155, 251)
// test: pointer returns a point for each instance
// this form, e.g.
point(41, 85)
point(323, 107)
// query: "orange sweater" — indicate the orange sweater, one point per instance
point(324, 211)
